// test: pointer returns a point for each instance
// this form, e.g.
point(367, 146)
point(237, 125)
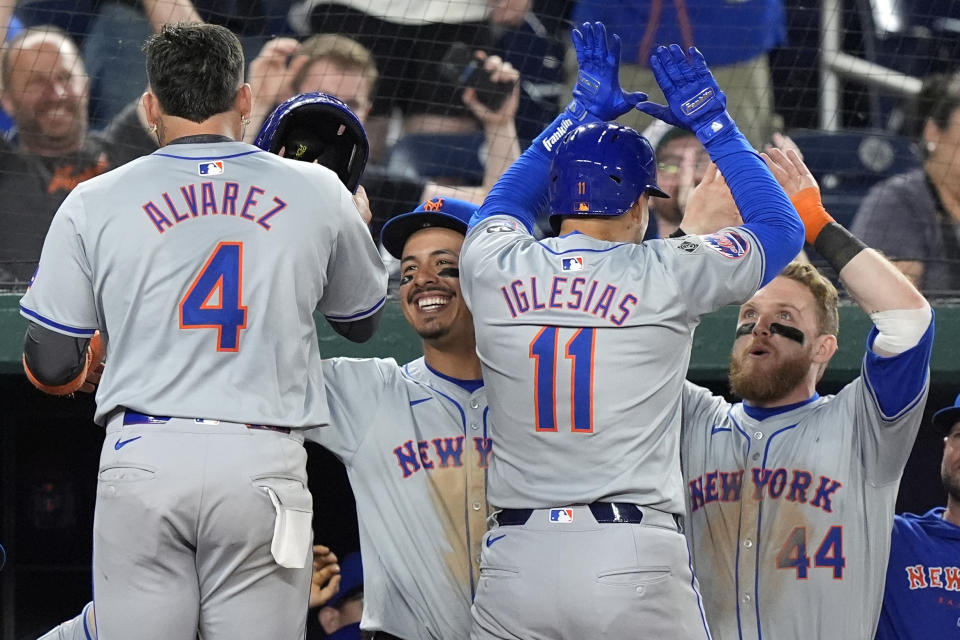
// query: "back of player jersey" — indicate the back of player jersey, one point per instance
point(205, 281)
point(585, 346)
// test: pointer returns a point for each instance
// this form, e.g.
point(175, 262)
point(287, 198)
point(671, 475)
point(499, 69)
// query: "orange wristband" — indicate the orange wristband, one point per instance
point(808, 204)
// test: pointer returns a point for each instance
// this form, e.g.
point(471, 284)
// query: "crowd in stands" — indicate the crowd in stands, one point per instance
point(449, 92)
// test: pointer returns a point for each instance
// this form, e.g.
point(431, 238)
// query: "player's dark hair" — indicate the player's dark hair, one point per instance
point(824, 293)
point(194, 70)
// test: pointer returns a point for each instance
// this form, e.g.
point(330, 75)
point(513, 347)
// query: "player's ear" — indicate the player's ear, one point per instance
point(329, 618)
point(151, 107)
point(243, 102)
point(823, 348)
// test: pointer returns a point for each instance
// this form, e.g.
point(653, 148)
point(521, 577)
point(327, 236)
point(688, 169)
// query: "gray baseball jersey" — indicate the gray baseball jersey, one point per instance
point(416, 449)
point(584, 345)
point(790, 511)
point(202, 265)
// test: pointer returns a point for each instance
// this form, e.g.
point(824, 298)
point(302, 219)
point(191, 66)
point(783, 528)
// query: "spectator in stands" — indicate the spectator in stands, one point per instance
point(46, 92)
point(914, 217)
point(681, 163)
point(343, 67)
point(110, 34)
point(735, 38)
point(408, 41)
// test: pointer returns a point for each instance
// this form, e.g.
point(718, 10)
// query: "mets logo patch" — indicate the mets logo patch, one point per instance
point(561, 516)
point(210, 168)
point(572, 264)
point(503, 226)
point(729, 244)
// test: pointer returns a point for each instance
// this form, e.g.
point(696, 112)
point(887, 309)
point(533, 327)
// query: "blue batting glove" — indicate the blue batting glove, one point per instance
point(694, 101)
point(598, 84)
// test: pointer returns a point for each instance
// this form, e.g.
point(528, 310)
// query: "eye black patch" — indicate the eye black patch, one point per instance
point(787, 332)
point(449, 272)
point(745, 329)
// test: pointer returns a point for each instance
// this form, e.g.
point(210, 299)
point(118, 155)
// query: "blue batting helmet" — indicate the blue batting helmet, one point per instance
point(321, 127)
point(601, 169)
point(436, 212)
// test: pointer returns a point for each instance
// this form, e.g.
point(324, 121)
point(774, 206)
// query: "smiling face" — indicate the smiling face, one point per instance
point(767, 366)
point(430, 286)
point(47, 93)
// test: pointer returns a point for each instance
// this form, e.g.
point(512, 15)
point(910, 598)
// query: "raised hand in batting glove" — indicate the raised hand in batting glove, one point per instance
point(598, 84)
point(694, 101)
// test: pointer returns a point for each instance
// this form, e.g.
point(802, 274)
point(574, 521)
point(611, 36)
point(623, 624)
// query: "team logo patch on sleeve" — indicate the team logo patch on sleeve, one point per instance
point(210, 168)
point(503, 226)
point(561, 516)
point(729, 244)
point(572, 264)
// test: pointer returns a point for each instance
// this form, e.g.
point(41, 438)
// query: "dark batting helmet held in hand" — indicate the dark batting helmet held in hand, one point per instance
point(318, 127)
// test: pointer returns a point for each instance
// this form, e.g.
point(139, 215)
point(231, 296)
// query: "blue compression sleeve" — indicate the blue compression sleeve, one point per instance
point(765, 208)
point(522, 190)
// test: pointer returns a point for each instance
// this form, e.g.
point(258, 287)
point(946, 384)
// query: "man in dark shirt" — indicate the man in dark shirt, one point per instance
point(46, 91)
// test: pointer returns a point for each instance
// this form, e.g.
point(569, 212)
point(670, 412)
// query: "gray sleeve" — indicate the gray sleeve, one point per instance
point(714, 270)
point(894, 219)
point(61, 296)
point(484, 247)
point(354, 389)
point(356, 278)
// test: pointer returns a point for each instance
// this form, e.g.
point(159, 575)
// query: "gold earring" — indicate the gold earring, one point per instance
point(153, 128)
point(244, 120)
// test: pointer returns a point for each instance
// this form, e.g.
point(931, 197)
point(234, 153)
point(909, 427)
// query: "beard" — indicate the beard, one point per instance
point(434, 331)
point(951, 484)
point(758, 385)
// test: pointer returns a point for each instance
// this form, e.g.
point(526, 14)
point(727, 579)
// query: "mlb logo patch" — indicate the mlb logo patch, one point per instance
point(210, 168)
point(729, 244)
point(561, 516)
point(572, 264)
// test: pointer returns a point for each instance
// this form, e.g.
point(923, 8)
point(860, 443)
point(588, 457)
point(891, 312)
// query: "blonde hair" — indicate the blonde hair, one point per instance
point(824, 293)
point(345, 52)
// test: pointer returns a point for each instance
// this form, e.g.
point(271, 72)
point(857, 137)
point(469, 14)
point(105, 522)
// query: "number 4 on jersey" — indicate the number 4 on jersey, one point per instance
point(793, 555)
point(213, 299)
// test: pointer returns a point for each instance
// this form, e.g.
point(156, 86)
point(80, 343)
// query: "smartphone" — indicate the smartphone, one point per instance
point(464, 68)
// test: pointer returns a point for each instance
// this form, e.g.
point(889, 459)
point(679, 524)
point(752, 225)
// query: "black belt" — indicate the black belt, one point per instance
point(132, 417)
point(603, 512)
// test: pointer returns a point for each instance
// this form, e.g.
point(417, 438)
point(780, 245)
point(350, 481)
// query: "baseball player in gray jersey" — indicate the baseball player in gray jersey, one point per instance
point(201, 265)
point(584, 341)
point(415, 444)
point(790, 495)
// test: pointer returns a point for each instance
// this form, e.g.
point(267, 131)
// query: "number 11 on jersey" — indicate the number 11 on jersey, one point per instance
point(579, 351)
